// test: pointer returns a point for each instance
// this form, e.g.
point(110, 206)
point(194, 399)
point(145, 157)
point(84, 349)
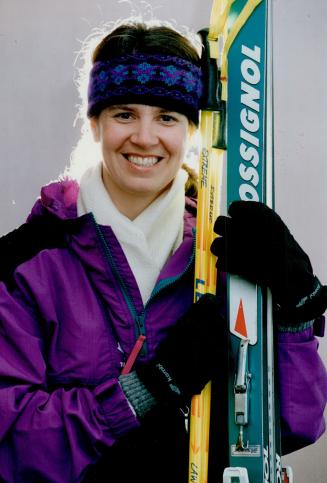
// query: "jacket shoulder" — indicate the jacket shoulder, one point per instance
point(59, 198)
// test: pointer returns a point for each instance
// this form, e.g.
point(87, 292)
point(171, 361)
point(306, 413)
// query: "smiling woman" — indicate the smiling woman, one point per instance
point(157, 70)
point(143, 148)
point(101, 346)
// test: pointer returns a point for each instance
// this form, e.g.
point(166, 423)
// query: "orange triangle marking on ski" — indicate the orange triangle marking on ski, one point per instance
point(195, 448)
point(240, 324)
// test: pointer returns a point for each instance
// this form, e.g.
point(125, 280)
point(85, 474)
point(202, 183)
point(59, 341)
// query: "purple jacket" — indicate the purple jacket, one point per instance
point(66, 330)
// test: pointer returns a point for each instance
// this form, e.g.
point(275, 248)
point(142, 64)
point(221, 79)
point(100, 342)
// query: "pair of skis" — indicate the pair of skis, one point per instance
point(237, 156)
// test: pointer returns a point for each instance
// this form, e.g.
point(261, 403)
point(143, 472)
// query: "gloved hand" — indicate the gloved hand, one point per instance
point(26, 241)
point(256, 244)
point(186, 360)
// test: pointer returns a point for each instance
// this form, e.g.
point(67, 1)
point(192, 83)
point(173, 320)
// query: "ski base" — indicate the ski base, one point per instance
point(235, 475)
point(240, 475)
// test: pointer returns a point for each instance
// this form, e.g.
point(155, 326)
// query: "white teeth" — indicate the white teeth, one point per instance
point(144, 162)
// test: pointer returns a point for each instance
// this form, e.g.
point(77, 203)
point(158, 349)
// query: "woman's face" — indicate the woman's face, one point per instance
point(143, 147)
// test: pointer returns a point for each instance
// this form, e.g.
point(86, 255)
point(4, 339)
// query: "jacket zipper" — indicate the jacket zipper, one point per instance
point(138, 318)
point(170, 281)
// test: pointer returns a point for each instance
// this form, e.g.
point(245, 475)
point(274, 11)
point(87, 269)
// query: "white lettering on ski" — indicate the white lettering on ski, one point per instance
point(266, 464)
point(250, 121)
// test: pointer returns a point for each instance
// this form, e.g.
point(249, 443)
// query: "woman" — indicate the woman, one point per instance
point(75, 406)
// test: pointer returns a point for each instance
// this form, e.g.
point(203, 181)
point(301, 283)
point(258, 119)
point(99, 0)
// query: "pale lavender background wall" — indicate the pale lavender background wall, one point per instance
point(38, 42)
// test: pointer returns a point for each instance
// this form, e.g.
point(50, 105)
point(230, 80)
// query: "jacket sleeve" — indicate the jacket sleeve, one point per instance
point(49, 434)
point(28, 239)
point(303, 388)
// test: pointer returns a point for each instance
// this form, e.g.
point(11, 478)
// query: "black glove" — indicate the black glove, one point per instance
point(186, 360)
point(25, 242)
point(257, 245)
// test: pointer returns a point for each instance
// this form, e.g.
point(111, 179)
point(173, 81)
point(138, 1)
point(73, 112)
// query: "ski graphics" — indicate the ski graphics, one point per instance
point(254, 442)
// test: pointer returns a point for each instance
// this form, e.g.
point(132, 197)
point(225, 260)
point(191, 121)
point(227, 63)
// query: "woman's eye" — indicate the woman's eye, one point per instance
point(167, 118)
point(123, 115)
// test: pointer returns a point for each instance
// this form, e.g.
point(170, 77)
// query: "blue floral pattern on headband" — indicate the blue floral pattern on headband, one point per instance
point(163, 77)
point(190, 83)
point(144, 72)
point(170, 75)
point(119, 73)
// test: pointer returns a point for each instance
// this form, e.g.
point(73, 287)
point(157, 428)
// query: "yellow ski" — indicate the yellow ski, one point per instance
point(210, 180)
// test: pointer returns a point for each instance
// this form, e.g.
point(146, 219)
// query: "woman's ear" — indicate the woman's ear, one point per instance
point(94, 123)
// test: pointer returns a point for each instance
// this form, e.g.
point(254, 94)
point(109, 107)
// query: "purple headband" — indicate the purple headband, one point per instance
point(157, 80)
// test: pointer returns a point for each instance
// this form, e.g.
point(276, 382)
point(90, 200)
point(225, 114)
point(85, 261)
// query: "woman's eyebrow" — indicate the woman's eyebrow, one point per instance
point(162, 110)
point(120, 106)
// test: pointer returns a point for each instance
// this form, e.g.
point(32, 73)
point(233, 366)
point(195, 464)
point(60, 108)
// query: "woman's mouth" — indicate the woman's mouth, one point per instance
point(143, 161)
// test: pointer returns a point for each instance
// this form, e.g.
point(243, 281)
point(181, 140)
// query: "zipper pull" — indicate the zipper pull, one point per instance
point(133, 355)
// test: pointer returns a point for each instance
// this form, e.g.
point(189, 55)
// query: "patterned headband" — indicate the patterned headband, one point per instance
point(157, 80)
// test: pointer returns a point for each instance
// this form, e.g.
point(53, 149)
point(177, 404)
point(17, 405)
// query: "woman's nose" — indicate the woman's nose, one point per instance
point(145, 134)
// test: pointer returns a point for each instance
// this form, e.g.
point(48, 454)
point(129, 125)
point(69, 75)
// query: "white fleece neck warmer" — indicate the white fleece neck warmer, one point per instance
point(149, 239)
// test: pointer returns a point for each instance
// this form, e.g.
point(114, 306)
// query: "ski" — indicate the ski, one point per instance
point(254, 441)
point(208, 208)
point(211, 167)
point(237, 65)
point(254, 427)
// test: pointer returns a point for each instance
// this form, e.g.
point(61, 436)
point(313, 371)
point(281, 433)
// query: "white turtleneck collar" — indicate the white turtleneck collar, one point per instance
point(149, 239)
